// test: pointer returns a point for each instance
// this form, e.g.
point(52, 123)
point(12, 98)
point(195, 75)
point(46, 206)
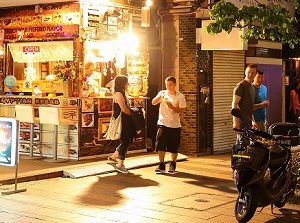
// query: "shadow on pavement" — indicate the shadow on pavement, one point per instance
point(107, 191)
point(286, 216)
point(209, 182)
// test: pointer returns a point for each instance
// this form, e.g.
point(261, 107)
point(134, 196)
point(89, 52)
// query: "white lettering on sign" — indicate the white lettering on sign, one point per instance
point(31, 49)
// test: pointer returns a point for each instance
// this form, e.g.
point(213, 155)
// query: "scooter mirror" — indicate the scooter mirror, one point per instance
point(236, 112)
point(293, 132)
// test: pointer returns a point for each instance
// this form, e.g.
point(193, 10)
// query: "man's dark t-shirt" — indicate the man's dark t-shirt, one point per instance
point(247, 94)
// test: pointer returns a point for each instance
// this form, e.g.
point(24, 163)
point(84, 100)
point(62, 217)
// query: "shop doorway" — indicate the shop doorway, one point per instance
point(291, 77)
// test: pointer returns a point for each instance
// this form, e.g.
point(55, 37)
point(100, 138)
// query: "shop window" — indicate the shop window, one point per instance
point(44, 67)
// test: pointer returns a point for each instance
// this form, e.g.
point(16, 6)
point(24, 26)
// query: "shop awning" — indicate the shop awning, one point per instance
point(48, 51)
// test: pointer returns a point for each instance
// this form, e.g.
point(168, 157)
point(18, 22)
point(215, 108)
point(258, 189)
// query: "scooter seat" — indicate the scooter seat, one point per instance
point(278, 156)
point(276, 149)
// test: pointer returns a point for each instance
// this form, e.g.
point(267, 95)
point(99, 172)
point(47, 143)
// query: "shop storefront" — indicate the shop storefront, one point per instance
point(66, 55)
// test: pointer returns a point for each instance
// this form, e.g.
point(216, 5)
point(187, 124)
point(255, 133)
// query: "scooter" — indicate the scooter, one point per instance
point(261, 164)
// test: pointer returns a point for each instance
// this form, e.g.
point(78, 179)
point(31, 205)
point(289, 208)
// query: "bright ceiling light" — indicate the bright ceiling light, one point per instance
point(129, 42)
point(148, 3)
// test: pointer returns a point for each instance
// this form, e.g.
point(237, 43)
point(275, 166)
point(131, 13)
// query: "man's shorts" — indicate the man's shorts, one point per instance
point(167, 139)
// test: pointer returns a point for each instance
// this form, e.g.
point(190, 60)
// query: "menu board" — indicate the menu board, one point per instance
point(8, 142)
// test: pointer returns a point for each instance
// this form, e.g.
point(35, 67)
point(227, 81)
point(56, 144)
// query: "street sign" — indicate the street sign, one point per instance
point(9, 131)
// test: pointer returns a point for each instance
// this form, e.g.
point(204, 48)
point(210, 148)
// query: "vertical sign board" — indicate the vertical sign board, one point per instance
point(9, 141)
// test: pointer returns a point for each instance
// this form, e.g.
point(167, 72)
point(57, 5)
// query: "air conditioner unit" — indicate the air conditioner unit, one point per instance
point(178, 6)
point(180, 2)
point(176, 10)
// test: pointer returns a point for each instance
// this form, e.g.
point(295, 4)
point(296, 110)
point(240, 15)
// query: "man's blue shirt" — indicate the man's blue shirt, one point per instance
point(260, 96)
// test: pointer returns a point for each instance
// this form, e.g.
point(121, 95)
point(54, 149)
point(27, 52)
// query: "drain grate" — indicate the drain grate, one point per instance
point(201, 200)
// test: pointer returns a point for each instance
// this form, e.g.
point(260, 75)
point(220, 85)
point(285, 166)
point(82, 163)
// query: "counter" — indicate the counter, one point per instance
point(82, 140)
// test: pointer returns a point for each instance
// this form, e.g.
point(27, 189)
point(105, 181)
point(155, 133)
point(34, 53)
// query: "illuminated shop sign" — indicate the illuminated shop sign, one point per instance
point(37, 101)
point(36, 22)
point(38, 32)
point(11, 100)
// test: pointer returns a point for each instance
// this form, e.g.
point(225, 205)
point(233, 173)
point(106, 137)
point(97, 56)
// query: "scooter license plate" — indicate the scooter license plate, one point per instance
point(284, 142)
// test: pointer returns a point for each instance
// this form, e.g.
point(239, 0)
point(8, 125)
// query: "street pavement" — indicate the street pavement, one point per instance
point(201, 191)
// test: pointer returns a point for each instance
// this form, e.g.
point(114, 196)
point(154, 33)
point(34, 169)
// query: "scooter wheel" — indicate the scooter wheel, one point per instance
point(246, 204)
point(281, 202)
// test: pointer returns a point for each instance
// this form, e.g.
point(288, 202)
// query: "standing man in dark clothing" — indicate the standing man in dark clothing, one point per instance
point(243, 98)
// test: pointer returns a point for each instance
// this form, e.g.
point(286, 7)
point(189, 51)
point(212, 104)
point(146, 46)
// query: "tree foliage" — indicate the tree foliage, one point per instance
point(297, 4)
point(261, 22)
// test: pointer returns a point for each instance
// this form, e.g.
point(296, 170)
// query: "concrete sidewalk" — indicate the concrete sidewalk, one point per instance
point(201, 191)
point(37, 169)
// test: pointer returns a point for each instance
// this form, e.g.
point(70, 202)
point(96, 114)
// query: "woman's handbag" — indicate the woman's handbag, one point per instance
point(115, 128)
point(138, 118)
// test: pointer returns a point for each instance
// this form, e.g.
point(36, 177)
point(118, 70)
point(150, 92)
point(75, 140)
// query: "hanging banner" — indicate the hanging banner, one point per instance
point(8, 142)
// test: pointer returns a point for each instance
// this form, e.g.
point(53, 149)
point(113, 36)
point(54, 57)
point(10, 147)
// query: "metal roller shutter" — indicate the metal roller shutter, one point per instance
point(228, 70)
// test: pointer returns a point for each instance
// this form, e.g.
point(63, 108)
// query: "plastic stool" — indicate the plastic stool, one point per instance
point(51, 116)
point(25, 113)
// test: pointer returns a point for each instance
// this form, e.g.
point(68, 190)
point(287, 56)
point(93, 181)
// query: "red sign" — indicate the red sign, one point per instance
point(41, 32)
point(31, 49)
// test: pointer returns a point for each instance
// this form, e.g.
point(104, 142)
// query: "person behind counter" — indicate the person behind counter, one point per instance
point(121, 105)
point(91, 78)
point(89, 70)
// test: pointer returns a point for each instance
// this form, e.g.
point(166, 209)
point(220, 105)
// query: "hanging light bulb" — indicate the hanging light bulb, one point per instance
point(148, 3)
